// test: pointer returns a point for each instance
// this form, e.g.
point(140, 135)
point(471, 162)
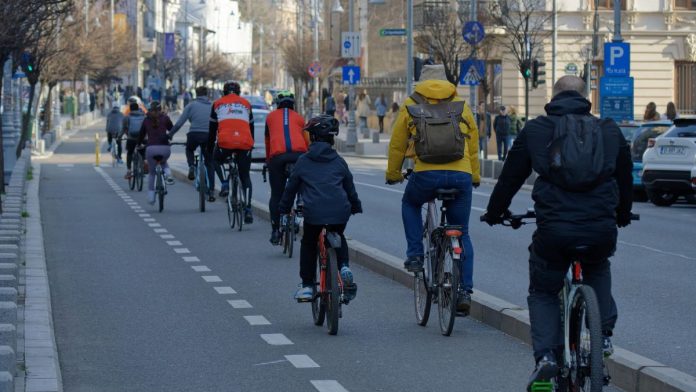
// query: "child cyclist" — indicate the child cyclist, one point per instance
point(323, 179)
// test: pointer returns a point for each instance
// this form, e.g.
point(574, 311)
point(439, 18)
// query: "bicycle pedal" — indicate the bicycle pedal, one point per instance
point(541, 386)
point(462, 314)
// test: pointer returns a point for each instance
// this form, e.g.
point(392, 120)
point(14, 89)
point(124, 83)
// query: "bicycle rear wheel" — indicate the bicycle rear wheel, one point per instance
point(202, 186)
point(231, 215)
point(318, 307)
point(139, 178)
point(422, 294)
point(448, 279)
point(132, 181)
point(114, 154)
point(587, 371)
point(241, 201)
point(333, 292)
point(160, 191)
point(290, 234)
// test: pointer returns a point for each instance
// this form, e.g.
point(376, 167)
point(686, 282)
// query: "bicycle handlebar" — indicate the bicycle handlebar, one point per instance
point(518, 220)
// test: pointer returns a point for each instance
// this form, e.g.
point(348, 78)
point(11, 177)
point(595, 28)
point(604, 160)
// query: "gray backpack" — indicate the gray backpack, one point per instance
point(438, 136)
point(134, 124)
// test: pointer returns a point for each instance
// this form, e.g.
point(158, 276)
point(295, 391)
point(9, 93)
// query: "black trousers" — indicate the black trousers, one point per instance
point(277, 177)
point(193, 141)
point(119, 144)
point(501, 142)
point(550, 256)
point(243, 164)
point(381, 123)
point(308, 251)
point(130, 149)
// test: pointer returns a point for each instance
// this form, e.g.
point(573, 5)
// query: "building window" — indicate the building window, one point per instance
point(609, 4)
point(685, 4)
point(597, 76)
point(685, 87)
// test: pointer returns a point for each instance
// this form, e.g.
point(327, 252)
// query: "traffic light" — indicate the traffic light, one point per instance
point(538, 73)
point(525, 69)
point(27, 63)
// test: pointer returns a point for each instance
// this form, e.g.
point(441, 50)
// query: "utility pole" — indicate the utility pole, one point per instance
point(409, 47)
point(300, 28)
point(554, 40)
point(473, 89)
point(617, 22)
point(352, 136)
point(86, 88)
point(316, 108)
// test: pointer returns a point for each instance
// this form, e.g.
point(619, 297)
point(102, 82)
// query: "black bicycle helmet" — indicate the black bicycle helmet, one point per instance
point(155, 106)
point(322, 126)
point(231, 87)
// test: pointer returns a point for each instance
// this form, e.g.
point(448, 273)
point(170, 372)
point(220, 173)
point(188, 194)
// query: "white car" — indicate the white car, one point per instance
point(669, 164)
point(260, 110)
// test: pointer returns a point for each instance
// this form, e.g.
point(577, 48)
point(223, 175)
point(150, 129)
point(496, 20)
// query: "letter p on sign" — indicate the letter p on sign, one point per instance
point(614, 53)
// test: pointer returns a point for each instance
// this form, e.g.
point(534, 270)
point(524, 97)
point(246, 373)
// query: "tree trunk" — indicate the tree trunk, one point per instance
point(26, 121)
point(48, 110)
point(2, 142)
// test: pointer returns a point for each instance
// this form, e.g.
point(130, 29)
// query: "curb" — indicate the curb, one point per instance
point(629, 371)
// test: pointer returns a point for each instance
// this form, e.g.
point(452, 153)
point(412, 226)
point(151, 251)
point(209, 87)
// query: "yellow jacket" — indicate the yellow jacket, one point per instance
point(433, 90)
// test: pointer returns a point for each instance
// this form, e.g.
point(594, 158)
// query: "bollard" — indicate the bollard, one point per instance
point(8, 360)
point(96, 149)
point(8, 336)
point(375, 137)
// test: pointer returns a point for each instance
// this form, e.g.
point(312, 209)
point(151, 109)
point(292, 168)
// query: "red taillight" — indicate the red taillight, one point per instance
point(457, 251)
point(651, 143)
point(453, 233)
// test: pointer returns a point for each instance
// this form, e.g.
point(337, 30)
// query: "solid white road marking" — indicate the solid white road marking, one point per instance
point(191, 259)
point(239, 304)
point(301, 361)
point(328, 386)
point(257, 320)
point(225, 290)
point(174, 243)
point(276, 339)
point(200, 268)
point(181, 250)
point(212, 278)
point(657, 250)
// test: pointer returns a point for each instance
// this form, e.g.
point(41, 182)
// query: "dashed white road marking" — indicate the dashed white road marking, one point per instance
point(174, 243)
point(145, 215)
point(212, 278)
point(149, 220)
point(239, 304)
point(301, 361)
point(191, 259)
point(225, 290)
point(276, 339)
point(181, 250)
point(257, 320)
point(328, 386)
point(200, 268)
point(167, 236)
point(160, 230)
point(154, 225)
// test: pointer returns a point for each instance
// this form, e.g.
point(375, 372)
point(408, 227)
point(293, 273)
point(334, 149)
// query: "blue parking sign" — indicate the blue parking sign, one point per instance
point(617, 59)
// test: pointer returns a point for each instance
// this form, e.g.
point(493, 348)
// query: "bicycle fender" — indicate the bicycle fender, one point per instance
point(334, 240)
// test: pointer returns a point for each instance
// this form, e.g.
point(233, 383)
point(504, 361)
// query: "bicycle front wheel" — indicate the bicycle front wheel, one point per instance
point(448, 280)
point(202, 188)
point(333, 292)
point(422, 294)
point(318, 305)
point(587, 367)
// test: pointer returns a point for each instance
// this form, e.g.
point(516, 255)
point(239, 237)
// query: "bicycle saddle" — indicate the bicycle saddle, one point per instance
point(158, 158)
point(580, 251)
point(446, 194)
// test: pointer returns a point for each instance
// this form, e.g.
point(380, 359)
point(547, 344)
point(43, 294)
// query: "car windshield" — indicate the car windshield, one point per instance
point(645, 132)
point(628, 132)
point(256, 101)
point(686, 131)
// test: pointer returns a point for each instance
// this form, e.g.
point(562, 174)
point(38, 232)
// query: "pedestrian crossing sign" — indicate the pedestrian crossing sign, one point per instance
point(471, 72)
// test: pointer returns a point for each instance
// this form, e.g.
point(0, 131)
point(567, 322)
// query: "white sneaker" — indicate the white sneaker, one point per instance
point(151, 197)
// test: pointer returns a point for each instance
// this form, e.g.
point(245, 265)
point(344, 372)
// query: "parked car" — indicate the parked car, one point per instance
point(259, 109)
point(668, 163)
point(628, 129)
point(638, 143)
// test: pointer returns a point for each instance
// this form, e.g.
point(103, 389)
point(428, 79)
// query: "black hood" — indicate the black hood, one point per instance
point(568, 102)
point(321, 152)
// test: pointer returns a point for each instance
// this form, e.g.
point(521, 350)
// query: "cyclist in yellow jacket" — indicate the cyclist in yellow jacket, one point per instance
point(461, 174)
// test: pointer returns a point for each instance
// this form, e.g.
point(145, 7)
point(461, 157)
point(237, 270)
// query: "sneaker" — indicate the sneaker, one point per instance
point(304, 293)
point(224, 190)
point(463, 301)
point(191, 175)
point(275, 237)
point(607, 347)
point(350, 289)
point(151, 197)
point(211, 196)
point(248, 217)
point(129, 175)
point(413, 263)
point(169, 180)
point(120, 161)
point(545, 370)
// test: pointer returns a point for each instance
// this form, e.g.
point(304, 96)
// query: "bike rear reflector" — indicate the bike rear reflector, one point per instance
point(457, 251)
point(453, 233)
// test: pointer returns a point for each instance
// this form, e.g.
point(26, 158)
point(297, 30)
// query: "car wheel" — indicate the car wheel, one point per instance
point(662, 198)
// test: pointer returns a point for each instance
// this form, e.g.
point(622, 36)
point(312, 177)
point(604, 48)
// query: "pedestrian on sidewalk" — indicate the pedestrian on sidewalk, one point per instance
point(114, 126)
point(346, 108)
point(501, 126)
point(393, 113)
point(516, 125)
point(381, 109)
point(483, 122)
point(155, 128)
point(671, 112)
point(363, 112)
point(329, 105)
point(651, 113)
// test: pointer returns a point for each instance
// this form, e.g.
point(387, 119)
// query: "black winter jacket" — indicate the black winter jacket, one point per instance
point(323, 179)
point(595, 211)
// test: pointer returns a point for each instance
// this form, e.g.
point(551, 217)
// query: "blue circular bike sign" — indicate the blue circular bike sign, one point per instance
point(473, 32)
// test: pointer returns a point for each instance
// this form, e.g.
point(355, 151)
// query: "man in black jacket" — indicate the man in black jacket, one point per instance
point(565, 220)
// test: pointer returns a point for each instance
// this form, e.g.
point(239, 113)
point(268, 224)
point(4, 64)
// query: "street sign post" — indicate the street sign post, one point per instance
point(473, 32)
point(350, 44)
point(351, 74)
point(617, 59)
point(392, 32)
point(471, 72)
point(616, 98)
point(314, 69)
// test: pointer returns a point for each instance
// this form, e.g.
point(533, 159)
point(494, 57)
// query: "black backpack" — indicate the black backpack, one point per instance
point(576, 153)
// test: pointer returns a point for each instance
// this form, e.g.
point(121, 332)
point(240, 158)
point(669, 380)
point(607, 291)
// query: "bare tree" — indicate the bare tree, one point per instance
point(217, 68)
point(441, 38)
point(524, 22)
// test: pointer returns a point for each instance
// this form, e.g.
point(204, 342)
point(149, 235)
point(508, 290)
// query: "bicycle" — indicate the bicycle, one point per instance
point(583, 360)
point(440, 277)
point(115, 141)
point(160, 182)
point(201, 172)
point(236, 197)
point(290, 224)
point(137, 177)
point(329, 290)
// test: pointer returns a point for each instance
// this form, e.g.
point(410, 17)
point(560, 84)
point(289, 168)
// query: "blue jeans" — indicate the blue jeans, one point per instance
point(421, 189)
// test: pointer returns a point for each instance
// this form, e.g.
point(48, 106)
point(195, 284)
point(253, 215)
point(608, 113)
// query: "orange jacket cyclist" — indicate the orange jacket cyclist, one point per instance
point(285, 142)
point(232, 124)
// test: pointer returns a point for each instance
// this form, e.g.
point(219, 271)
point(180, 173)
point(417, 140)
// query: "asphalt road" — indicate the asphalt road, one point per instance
point(176, 301)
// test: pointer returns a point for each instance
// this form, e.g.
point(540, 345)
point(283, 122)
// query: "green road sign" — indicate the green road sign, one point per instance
point(392, 32)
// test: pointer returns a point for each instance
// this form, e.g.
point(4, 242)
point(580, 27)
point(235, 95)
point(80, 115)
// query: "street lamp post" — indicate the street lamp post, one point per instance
point(352, 136)
point(316, 107)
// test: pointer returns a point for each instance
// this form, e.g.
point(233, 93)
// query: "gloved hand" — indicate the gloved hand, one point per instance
point(475, 184)
point(623, 219)
point(356, 209)
point(493, 219)
point(392, 182)
point(169, 136)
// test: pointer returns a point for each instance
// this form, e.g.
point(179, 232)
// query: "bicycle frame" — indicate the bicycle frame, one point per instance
point(572, 282)
point(453, 232)
point(335, 242)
